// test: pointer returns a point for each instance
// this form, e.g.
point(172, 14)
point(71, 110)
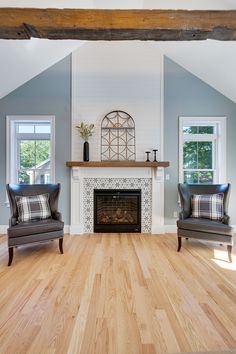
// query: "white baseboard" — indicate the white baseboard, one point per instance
point(3, 229)
point(158, 229)
point(76, 230)
point(170, 229)
point(66, 229)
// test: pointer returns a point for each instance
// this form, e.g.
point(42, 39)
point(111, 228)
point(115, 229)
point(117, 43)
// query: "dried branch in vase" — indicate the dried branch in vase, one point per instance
point(85, 130)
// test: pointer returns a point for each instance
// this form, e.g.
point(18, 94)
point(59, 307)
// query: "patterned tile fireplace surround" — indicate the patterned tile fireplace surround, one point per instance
point(85, 179)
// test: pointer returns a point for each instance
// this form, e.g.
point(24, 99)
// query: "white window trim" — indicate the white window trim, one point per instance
point(221, 151)
point(10, 136)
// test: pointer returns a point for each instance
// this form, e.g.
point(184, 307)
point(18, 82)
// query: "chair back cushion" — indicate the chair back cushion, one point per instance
point(26, 190)
point(207, 206)
point(33, 208)
point(186, 191)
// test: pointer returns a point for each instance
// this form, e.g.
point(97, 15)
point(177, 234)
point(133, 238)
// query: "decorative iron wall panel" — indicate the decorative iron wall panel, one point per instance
point(117, 137)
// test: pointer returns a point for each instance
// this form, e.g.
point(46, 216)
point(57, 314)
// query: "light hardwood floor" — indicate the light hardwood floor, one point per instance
point(117, 294)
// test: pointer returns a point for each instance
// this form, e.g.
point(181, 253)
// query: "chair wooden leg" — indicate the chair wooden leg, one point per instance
point(179, 243)
point(10, 250)
point(61, 245)
point(229, 249)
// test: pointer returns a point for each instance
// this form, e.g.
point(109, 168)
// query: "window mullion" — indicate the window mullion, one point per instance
point(199, 137)
point(31, 136)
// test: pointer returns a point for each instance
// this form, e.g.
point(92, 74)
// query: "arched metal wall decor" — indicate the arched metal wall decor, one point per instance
point(117, 137)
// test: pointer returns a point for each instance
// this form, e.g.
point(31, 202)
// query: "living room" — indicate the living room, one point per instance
point(119, 290)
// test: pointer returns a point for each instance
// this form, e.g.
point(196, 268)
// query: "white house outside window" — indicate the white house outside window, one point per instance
point(30, 149)
point(202, 150)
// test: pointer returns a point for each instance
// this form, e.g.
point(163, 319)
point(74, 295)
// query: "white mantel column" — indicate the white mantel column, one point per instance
point(77, 222)
point(158, 201)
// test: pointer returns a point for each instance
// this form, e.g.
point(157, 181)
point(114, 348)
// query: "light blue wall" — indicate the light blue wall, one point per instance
point(186, 95)
point(49, 93)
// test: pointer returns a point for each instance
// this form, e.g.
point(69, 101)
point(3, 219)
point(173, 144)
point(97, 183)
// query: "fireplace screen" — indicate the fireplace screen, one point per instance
point(117, 210)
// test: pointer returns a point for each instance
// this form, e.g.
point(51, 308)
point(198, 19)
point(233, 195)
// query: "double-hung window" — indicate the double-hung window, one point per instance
point(30, 149)
point(202, 150)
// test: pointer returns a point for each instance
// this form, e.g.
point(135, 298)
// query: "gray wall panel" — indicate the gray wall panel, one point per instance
point(186, 95)
point(49, 93)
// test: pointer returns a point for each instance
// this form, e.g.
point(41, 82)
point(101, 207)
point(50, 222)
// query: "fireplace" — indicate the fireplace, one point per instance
point(117, 210)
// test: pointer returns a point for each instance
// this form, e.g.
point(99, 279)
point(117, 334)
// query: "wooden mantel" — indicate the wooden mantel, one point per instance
point(99, 24)
point(117, 164)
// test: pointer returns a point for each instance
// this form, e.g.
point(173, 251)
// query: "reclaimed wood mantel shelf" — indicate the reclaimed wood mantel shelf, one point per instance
point(117, 164)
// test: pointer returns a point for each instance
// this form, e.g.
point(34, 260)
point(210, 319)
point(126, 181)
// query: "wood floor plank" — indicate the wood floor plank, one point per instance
point(221, 329)
point(117, 294)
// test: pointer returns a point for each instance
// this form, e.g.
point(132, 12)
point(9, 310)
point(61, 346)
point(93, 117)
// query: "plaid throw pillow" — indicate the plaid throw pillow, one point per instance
point(33, 208)
point(208, 206)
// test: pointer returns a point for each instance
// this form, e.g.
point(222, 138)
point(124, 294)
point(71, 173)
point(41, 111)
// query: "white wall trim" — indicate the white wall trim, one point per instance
point(170, 229)
point(162, 106)
point(66, 229)
point(3, 229)
point(158, 230)
point(76, 230)
point(74, 95)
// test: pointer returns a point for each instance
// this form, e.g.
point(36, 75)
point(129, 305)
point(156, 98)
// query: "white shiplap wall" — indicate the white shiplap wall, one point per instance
point(125, 76)
point(110, 76)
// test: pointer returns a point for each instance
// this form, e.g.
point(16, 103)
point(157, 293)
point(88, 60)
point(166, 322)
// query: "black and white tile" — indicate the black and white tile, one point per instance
point(145, 184)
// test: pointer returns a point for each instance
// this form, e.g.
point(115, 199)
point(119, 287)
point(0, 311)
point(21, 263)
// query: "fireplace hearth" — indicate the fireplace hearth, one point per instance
point(117, 210)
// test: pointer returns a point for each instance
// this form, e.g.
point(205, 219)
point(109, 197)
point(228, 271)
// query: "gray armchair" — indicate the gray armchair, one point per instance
point(202, 228)
point(21, 233)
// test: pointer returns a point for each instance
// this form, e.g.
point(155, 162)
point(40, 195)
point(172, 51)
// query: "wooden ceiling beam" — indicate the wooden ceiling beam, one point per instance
point(87, 24)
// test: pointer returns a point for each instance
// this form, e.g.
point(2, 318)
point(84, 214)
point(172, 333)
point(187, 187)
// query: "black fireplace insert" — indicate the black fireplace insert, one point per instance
point(117, 210)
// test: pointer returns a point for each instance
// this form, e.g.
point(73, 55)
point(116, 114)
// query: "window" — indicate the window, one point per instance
point(202, 150)
point(30, 149)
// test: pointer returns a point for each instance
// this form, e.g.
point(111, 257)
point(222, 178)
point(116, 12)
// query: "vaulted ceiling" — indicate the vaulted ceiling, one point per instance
point(212, 61)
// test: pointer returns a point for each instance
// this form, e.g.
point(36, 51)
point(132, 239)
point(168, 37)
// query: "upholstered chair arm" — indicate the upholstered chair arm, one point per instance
point(225, 219)
point(12, 221)
point(57, 215)
point(182, 215)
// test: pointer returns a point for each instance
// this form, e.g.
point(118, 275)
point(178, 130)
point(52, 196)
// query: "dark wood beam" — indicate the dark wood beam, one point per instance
point(84, 24)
